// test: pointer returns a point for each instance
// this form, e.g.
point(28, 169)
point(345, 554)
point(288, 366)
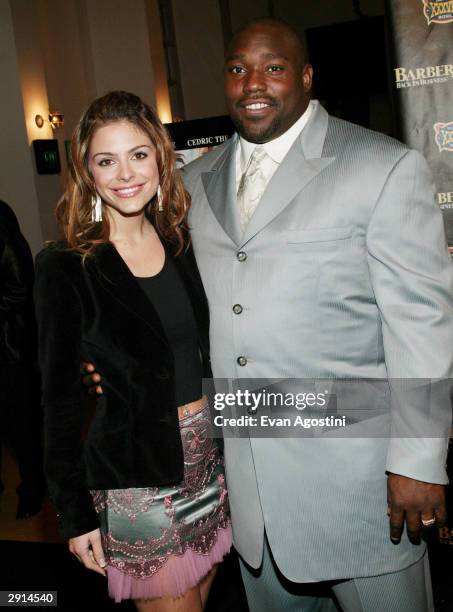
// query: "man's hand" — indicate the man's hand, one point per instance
point(415, 502)
point(91, 378)
point(88, 550)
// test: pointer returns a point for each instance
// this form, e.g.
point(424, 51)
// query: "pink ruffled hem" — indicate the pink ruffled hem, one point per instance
point(178, 575)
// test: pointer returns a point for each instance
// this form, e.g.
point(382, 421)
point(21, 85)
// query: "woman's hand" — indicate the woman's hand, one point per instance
point(88, 550)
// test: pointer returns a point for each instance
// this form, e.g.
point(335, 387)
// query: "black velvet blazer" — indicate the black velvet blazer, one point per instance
point(98, 312)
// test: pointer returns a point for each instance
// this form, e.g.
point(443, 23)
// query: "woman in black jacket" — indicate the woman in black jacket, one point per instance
point(143, 495)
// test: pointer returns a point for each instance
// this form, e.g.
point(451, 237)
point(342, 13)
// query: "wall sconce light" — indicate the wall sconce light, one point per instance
point(56, 120)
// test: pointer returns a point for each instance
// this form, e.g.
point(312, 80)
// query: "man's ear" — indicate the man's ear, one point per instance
point(307, 77)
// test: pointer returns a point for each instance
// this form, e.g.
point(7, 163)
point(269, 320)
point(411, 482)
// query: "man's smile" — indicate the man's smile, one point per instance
point(256, 108)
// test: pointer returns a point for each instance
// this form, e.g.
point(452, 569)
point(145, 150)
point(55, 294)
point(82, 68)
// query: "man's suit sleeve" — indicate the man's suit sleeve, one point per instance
point(412, 278)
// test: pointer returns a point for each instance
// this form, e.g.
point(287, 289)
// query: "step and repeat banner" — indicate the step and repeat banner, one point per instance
point(421, 34)
point(421, 37)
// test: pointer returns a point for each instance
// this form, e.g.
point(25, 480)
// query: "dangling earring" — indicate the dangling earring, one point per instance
point(160, 199)
point(96, 209)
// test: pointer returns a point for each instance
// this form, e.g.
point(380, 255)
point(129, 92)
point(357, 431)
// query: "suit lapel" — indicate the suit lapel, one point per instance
point(220, 188)
point(115, 275)
point(302, 163)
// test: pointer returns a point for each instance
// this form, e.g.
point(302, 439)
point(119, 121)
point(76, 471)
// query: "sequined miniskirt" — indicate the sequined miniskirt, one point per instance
point(162, 541)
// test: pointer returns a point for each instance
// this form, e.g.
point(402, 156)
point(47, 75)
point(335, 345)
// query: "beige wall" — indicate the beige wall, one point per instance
point(17, 185)
point(69, 71)
point(120, 47)
point(60, 56)
point(198, 31)
point(33, 70)
point(156, 47)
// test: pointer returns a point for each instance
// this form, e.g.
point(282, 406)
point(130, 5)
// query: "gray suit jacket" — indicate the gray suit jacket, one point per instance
point(346, 274)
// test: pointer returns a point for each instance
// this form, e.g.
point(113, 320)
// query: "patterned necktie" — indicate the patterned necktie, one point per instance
point(252, 185)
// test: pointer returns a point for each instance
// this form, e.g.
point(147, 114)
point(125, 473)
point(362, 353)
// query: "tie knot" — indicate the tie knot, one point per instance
point(258, 154)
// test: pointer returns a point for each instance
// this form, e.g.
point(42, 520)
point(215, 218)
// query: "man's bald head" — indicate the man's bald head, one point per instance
point(281, 27)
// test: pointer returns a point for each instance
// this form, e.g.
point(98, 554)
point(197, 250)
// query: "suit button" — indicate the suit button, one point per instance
point(237, 309)
point(242, 361)
point(241, 256)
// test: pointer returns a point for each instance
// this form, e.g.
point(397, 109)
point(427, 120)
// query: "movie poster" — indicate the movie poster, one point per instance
point(199, 136)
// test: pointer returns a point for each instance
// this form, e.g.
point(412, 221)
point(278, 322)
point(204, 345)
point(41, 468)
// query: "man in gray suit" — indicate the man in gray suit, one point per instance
point(323, 256)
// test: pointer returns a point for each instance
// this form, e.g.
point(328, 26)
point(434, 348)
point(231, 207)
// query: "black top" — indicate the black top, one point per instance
point(168, 296)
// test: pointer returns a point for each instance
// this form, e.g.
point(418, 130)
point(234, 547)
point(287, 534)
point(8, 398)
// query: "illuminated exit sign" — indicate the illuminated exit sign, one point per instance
point(47, 156)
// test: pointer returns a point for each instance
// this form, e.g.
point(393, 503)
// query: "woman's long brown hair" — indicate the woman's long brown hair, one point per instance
point(74, 209)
